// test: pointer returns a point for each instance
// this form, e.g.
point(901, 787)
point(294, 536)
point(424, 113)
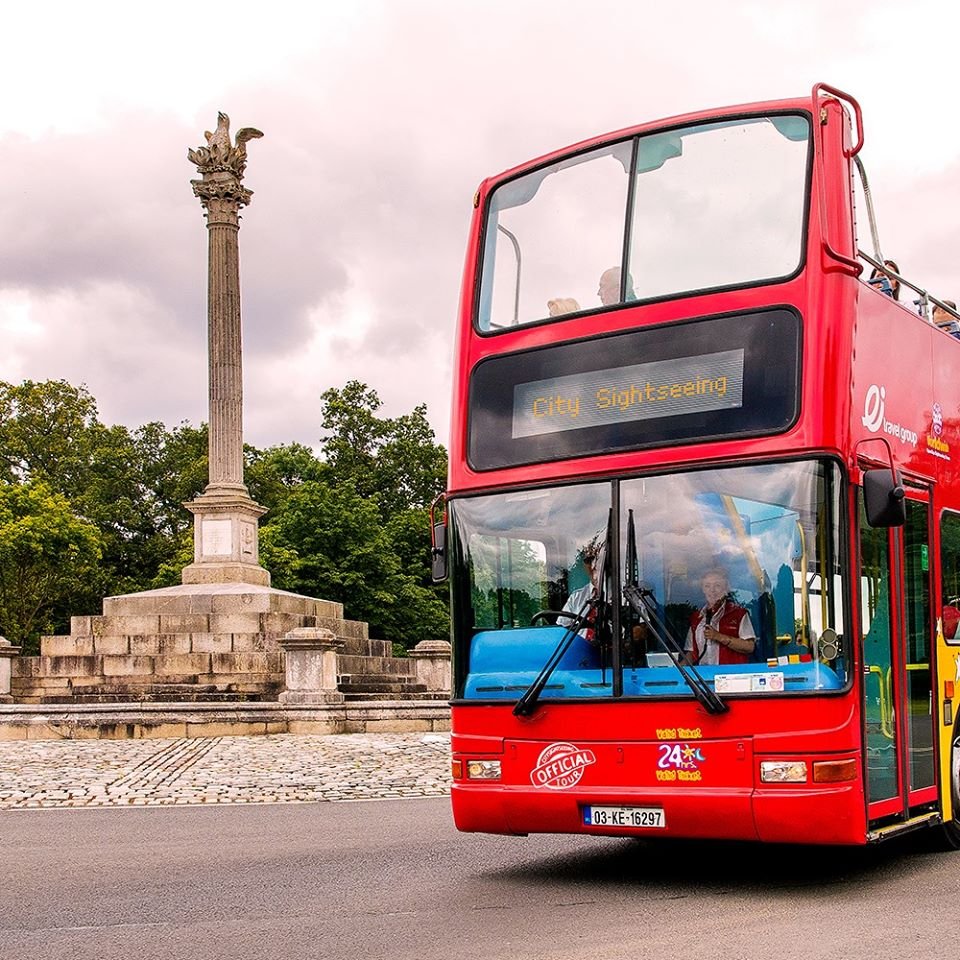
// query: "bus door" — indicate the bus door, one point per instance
point(896, 623)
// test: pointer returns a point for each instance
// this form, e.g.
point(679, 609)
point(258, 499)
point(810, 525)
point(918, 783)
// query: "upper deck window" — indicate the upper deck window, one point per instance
point(712, 205)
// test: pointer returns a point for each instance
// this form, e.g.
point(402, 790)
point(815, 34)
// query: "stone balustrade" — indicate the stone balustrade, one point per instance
point(310, 656)
point(7, 652)
point(433, 665)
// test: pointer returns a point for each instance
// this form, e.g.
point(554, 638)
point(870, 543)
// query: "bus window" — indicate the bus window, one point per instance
point(728, 211)
point(950, 583)
point(772, 530)
point(519, 558)
point(550, 237)
point(711, 205)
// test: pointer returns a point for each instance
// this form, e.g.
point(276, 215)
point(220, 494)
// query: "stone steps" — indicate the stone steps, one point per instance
point(363, 647)
point(387, 666)
point(379, 683)
point(207, 642)
point(380, 697)
point(152, 697)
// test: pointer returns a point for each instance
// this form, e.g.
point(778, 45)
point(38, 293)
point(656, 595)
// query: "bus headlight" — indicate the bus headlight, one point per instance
point(783, 771)
point(483, 769)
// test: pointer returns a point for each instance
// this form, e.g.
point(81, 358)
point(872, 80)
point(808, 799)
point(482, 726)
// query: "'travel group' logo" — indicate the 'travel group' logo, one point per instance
point(937, 420)
point(561, 766)
point(874, 417)
point(873, 408)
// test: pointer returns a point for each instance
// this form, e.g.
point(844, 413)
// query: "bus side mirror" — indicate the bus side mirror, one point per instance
point(438, 553)
point(883, 498)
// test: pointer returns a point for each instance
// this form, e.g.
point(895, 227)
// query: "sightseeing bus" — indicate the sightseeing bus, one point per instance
point(702, 526)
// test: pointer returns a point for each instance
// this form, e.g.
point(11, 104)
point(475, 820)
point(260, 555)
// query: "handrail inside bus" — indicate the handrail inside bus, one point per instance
point(516, 253)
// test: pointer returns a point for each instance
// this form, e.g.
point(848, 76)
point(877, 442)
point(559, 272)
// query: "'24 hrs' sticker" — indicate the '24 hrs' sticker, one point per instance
point(679, 761)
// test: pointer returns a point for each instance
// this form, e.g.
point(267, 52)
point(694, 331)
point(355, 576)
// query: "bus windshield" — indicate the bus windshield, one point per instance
point(711, 205)
point(741, 565)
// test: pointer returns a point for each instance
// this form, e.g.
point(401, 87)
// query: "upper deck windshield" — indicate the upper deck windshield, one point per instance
point(710, 205)
point(750, 552)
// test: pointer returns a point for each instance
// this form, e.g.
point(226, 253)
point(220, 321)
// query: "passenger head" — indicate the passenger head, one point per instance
point(591, 555)
point(894, 284)
point(940, 316)
point(609, 290)
point(715, 585)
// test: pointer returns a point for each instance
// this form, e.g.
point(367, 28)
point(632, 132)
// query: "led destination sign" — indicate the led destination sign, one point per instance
point(641, 391)
point(735, 375)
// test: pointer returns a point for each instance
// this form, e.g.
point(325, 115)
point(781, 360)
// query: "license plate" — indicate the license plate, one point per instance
point(651, 817)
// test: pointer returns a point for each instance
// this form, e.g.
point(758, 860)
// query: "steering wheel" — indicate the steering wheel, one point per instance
point(548, 616)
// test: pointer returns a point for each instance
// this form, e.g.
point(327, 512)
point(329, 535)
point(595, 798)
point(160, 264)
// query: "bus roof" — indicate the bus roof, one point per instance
point(680, 120)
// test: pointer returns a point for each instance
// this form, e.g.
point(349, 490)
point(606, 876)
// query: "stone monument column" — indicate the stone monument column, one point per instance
point(226, 541)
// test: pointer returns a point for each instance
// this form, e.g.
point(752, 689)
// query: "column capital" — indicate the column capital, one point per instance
point(221, 164)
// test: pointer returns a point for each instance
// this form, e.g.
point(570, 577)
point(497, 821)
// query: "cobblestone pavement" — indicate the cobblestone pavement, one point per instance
point(283, 768)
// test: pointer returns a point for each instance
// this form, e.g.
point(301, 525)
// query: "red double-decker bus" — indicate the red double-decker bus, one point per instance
point(703, 520)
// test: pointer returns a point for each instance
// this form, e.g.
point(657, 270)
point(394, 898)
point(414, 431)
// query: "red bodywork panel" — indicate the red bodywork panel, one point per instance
point(704, 771)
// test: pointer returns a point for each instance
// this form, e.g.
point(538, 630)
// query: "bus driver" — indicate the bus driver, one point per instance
point(579, 602)
point(721, 631)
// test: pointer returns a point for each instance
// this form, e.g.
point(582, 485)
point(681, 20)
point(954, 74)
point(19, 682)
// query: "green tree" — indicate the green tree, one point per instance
point(136, 488)
point(272, 473)
point(48, 555)
point(129, 484)
point(396, 459)
point(46, 433)
point(341, 550)
point(330, 542)
point(350, 526)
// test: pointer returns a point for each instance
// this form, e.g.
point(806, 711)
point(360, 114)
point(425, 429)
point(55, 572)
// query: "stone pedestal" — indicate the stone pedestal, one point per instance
point(225, 540)
point(311, 666)
point(7, 652)
point(432, 658)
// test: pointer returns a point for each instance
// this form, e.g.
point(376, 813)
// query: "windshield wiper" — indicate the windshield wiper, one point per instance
point(527, 703)
point(641, 599)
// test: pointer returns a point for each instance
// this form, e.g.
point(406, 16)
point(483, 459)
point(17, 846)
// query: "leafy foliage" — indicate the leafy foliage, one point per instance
point(47, 555)
point(395, 460)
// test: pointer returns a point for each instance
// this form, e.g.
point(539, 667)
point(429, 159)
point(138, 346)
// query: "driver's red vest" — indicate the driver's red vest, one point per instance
point(730, 625)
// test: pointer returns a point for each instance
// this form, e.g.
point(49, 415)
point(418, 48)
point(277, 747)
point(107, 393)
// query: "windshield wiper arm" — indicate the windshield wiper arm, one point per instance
point(640, 598)
point(527, 703)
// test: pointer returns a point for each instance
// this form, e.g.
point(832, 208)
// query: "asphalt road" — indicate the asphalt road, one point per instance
point(394, 879)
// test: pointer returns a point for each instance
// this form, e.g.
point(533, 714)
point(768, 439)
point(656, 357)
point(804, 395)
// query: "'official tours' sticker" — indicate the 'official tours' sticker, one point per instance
point(560, 766)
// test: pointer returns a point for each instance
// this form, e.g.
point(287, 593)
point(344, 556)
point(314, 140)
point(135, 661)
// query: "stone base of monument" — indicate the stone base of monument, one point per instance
point(204, 642)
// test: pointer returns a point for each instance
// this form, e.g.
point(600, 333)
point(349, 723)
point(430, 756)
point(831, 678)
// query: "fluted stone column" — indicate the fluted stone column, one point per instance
point(226, 541)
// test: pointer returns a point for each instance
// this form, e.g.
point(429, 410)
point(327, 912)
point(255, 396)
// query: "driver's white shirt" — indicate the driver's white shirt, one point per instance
point(576, 604)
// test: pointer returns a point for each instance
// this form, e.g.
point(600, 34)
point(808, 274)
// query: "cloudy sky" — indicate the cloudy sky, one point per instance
point(380, 119)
